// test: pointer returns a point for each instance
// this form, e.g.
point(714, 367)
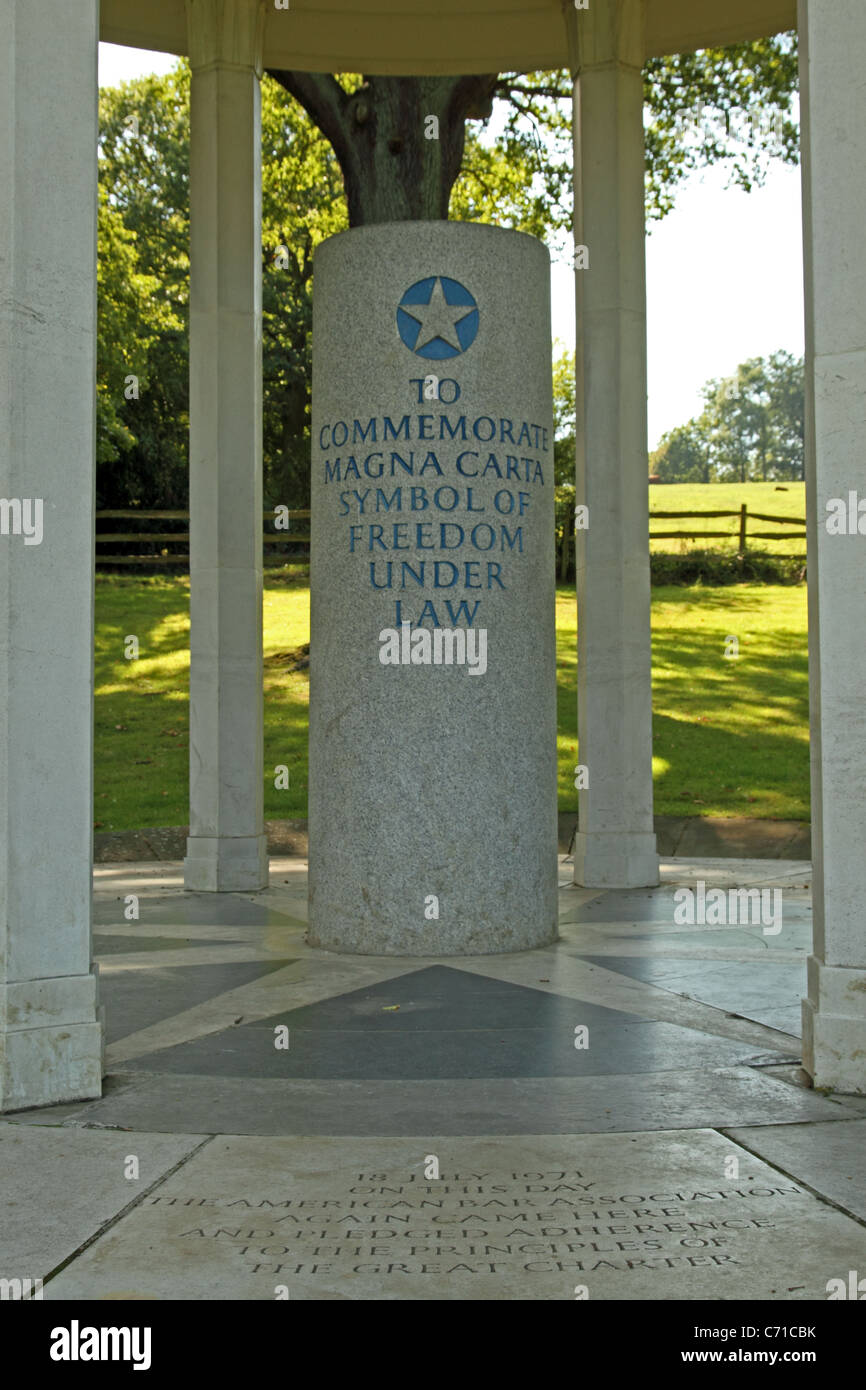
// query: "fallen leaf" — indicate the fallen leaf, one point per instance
point(389, 1008)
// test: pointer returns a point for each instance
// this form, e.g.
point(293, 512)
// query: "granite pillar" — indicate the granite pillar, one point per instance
point(432, 696)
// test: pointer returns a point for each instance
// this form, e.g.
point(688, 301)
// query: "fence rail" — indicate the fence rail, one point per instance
point(293, 538)
point(565, 538)
point(162, 538)
point(745, 536)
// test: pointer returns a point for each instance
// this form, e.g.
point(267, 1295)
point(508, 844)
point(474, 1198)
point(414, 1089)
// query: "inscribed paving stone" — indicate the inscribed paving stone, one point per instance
point(626, 1216)
point(59, 1186)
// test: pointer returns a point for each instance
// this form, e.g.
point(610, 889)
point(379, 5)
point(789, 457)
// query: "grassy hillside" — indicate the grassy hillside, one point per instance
point(773, 499)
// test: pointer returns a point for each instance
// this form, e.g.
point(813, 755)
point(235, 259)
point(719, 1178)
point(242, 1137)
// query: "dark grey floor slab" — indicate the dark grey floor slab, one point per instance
point(766, 991)
point(438, 1023)
point(136, 999)
point(829, 1158)
point(639, 1048)
point(106, 944)
point(187, 909)
point(717, 1098)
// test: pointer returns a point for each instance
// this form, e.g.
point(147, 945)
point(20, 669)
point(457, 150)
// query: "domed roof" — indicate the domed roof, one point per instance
point(443, 36)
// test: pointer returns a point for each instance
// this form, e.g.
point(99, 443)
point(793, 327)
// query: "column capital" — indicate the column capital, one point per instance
point(227, 32)
point(608, 32)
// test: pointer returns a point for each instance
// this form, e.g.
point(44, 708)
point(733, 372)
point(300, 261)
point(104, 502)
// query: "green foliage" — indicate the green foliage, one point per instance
point(754, 423)
point(143, 170)
point(519, 177)
point(683, 456)
point(144, 288)
point(732, 106)
point(751, 427)
point(563, 416)
point(718, 569)
point(302, 205)
point(131, 318)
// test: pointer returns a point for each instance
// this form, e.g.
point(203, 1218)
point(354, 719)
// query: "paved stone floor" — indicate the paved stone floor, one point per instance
point(623, 1113)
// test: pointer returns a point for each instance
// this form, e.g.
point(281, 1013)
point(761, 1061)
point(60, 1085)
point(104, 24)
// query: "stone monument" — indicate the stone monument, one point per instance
point(432, 805)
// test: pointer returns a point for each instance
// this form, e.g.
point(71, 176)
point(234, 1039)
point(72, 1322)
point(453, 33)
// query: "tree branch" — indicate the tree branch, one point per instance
point(323, 99)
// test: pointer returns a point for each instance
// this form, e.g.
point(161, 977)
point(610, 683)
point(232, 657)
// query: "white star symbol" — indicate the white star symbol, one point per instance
point(438, 319)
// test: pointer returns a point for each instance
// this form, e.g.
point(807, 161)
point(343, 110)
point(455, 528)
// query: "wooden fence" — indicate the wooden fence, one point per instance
point(165, 538)
point(565, 539)
point(294, 538)
point(744, 538)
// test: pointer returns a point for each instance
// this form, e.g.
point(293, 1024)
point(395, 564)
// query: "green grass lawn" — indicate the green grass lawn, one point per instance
point(731, 737)
point(142, 706)
point(773, 499)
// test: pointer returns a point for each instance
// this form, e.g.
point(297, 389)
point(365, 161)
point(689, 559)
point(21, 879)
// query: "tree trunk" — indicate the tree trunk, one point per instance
point(399, 140)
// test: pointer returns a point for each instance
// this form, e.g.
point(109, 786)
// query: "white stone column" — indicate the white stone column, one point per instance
point(833, 96)
point(615, 844)
point(226, 849)
point(50, 1036)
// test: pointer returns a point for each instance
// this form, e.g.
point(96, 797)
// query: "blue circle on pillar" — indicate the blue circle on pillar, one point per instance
point(438, 318)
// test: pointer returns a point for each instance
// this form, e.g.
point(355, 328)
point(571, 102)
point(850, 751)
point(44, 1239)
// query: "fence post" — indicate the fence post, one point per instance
point(743, 529)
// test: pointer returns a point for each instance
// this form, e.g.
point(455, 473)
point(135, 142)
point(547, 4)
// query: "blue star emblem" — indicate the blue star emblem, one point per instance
point(437, 318)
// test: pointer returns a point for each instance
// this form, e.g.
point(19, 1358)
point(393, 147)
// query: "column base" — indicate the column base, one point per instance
point(834, 1027)
point(223, 864)
point(51, 1043)
point(610, 859)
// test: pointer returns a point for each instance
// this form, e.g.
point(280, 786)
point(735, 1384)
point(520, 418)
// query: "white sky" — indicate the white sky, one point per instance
point(724, 274)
